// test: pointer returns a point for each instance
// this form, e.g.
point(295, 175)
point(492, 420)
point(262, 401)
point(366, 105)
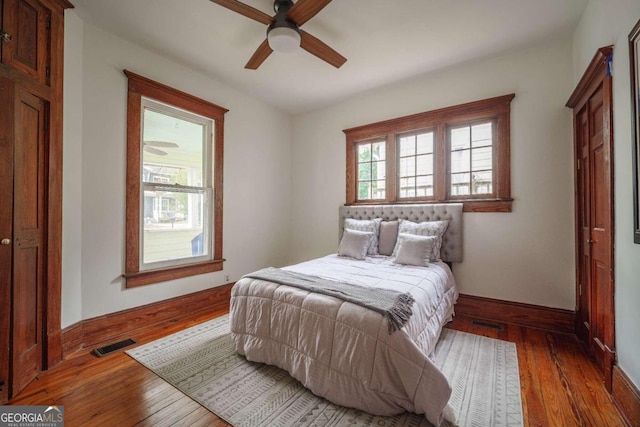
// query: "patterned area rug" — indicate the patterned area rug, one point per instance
point(202, 363)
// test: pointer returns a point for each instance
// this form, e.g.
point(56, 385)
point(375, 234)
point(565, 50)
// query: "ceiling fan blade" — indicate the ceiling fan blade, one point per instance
point(304, 10)
point(246, 10)
point(320, 49)
point(259, 55)
point(154, 151)
point(163, 144)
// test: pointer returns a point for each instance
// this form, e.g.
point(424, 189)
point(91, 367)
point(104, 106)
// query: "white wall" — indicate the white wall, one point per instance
point(609, 22)
point(257, 179)
point(72, 165)
point(524, 256)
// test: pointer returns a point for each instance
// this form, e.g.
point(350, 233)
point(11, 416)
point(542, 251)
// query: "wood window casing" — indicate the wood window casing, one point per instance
point(139, 87)
point(495, 110)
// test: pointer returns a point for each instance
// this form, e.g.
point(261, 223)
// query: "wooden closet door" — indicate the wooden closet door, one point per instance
point(593, 125)
point(601, 230)
point(28, 237)
point(6, 230)
point(30, 189)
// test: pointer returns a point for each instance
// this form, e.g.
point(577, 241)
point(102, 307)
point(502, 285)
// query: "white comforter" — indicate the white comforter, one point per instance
point(343, 351)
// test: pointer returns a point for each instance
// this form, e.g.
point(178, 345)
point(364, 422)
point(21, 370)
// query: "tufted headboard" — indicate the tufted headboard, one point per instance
point(452, 242)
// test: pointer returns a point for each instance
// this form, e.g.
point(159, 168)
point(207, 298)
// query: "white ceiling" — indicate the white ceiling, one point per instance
point(384, 41)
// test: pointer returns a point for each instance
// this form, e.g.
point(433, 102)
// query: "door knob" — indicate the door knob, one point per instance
point(5, 242)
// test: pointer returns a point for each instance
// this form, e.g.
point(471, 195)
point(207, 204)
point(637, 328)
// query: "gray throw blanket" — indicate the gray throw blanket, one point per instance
point(393, 305)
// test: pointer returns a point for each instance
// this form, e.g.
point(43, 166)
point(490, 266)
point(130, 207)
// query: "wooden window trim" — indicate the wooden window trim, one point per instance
point(139, 87)
point(497, 109)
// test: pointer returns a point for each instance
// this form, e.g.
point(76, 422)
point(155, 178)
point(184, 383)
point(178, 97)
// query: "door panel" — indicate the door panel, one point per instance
point(6, 227)
point(583, 182)
point(28, 228)
point(600, 227)
point(27, 21)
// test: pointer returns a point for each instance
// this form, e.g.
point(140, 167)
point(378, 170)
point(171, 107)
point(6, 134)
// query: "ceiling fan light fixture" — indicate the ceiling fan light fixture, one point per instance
point(283, 39)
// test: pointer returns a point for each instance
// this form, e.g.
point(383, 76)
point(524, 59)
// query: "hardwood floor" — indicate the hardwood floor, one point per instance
point(560, 385)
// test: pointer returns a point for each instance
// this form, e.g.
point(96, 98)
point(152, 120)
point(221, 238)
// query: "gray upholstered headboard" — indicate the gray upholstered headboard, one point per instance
point(452, 242)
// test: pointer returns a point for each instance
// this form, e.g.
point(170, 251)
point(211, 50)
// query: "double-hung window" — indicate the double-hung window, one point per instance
point(455, 154)
point(174, 184)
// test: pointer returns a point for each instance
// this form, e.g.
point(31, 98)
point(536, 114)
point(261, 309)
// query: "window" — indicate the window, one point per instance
point(471, 160)
point(415, 170)
point(174, 184)
point(456, 154)
point(371, 170)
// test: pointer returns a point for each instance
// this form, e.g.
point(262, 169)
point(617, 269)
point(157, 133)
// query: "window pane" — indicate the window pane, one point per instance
point(408, 166)
point(424, 186)
point(425, 143)
point(481, 135)
point(364, 171)
point(460, 184)
point(378, 189)
point(407, 146)
point(460, 138)
point(364, 152)
point(174, 226)
point(425, 164)
point(172, 150)
point(379, 170)
point(407, 187)
point(481, 159)
point(364, 190)
point(460, 161)
point(378, 151)
point(482, 182)
point(175, 221)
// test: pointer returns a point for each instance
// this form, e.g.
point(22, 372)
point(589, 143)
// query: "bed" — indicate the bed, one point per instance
point(343, 351)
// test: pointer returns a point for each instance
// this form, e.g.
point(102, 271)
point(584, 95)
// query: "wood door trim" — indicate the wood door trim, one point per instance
point(596, 66)
point(53, 288)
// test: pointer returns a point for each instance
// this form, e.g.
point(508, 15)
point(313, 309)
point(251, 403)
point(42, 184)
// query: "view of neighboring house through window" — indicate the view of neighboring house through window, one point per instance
point(176, 176)
point(175, 146)
point(454, 154)
point(416, 165)
point(471, 160)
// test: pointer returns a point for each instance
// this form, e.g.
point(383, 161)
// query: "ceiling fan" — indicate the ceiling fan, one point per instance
point(151, 147)
point(283, 31)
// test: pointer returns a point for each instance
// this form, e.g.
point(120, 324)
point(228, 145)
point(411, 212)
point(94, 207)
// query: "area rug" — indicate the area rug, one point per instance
point(201, 362)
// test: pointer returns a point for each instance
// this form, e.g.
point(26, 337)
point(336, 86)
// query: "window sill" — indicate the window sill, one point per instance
point(141, 278)
point(487, 205)
point(473, 205)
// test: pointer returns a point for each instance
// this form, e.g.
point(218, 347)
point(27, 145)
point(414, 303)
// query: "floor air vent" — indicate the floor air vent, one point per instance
point(103, 351)
point(488, 324)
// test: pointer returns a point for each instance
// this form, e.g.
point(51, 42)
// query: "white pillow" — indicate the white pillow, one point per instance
point(428, 228)
point(368, 225)
point(414, 249)
point(354, 244)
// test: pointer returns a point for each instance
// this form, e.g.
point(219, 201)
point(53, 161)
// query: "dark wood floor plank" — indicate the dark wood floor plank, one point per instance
point(560, 385)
